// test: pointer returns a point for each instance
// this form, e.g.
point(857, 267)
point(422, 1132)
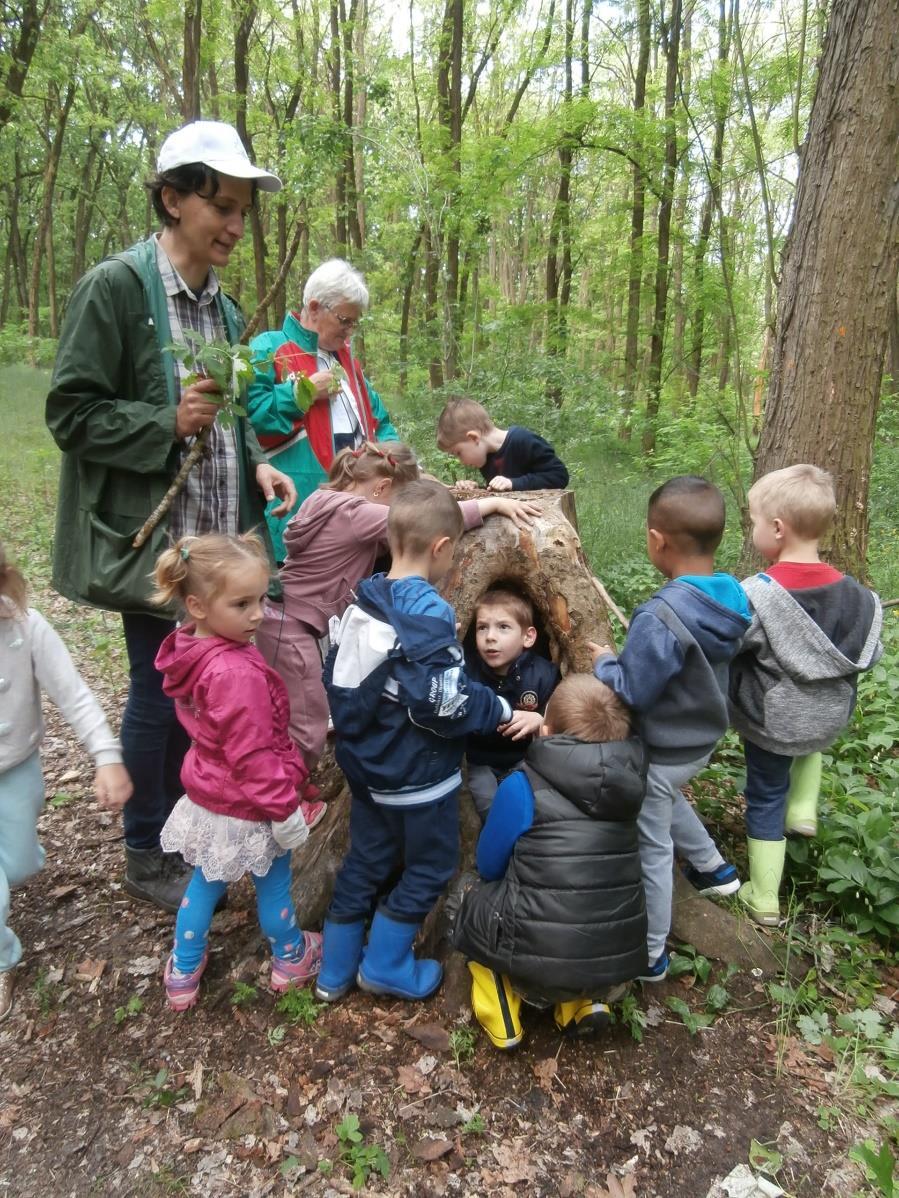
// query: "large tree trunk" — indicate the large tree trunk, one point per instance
point(837, 296)
point(547, 564)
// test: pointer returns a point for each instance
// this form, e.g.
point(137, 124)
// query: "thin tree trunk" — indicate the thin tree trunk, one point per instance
point(638, 212)
point(449, 115)
point(657, 340)
point(190, 73)
point(51, 170)
point(410, 273)
point(712, 201)
point(19, 59)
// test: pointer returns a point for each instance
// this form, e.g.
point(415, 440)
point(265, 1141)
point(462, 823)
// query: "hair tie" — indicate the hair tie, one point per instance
point(185, 553)
point(357, 453)
point(392, 460)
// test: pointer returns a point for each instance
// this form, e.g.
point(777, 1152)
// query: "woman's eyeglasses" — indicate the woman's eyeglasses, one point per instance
point(345, 322)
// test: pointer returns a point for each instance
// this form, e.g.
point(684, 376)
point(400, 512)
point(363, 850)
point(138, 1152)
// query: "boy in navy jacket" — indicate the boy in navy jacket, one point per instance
point(510, 459)
point(401, 706)
point(506, 662)
point(673, 673)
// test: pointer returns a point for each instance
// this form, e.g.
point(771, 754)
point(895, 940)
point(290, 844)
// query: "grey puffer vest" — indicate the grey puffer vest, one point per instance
point(569, 916)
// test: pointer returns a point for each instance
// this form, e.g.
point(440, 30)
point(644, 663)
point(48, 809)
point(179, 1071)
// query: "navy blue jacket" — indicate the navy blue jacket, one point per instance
point(400, 700)
point(673, 669)
point(526, 687)
point(528, 460)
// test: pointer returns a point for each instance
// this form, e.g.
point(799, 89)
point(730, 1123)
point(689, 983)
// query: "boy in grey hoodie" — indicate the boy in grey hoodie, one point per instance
point(672, 672)
point(793, 684)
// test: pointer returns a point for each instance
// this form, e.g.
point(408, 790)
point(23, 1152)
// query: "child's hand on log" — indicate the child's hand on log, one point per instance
point(520, 512)
point(522, 724)
point(500, 483)
point(598, 651)
point(465, 485)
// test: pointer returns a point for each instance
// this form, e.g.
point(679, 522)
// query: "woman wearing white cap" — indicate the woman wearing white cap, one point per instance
point(121, 413)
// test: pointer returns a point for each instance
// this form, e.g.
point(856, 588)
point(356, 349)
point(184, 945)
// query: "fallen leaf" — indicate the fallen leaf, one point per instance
point(545, 1071)
point(410, 1079)
point(426, 1065)
point(431, 1035)
point(88, 970)
point(189, 1147)
point(195, 1079)
point(144, 967)
point(431, 1150)
point(624, 1187)
point(60, 892)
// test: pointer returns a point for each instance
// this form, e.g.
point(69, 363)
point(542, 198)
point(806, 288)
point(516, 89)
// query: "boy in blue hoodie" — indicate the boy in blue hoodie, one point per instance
point(673, 673)
point(402, 707)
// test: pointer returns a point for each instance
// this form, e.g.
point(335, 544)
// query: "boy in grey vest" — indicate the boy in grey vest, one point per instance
point(673, 674)
point(793, 683)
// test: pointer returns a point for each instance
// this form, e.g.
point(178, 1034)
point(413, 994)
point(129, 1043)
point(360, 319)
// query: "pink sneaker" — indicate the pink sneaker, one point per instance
point(182, 990)
point(298, 973)
point(311, 792)
point(313, 813)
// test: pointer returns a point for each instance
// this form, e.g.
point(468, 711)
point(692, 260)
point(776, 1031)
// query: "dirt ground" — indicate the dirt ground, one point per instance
point(105, 1091)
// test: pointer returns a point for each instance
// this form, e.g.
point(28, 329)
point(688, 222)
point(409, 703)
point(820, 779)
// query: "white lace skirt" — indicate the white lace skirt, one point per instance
point(225, 848)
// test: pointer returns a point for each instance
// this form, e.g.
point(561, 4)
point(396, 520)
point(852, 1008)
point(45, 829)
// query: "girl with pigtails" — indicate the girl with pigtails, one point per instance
point(242, 773)
point(332, 543)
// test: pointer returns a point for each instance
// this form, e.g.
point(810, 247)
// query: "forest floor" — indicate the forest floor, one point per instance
point(105, 1091)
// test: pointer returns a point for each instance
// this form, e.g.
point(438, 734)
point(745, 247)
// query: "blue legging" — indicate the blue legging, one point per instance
point(274, 904)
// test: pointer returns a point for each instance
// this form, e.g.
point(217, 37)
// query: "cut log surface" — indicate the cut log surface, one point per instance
point(547, 564)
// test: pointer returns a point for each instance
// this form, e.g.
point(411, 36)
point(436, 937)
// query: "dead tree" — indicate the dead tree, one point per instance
point(547, 564)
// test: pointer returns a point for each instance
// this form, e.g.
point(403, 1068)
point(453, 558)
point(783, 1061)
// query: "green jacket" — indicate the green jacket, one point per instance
point(273, 412)
point(111, 410)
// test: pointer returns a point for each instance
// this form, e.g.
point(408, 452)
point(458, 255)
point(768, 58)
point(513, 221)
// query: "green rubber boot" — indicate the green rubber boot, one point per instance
point(802, 798)
point(766, 867)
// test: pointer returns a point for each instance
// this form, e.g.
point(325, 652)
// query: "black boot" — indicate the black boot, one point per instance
point(156, 877)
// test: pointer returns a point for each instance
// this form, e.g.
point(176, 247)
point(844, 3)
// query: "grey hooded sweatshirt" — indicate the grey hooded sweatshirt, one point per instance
point(793, 683)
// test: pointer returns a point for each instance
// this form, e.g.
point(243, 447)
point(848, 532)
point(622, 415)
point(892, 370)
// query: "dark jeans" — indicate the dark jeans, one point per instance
point(767, 784)
point(425, 841)
point(153, 742)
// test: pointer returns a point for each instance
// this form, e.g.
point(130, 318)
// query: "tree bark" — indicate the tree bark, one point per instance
point(51, 169)
point(547, 564)
point(20, 58)
point(193, 32)
point(657, 340)
point(838, 289)
point(638, 212)
point(449, 115)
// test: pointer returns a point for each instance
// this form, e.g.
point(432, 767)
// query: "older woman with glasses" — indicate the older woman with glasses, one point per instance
point(344, 410)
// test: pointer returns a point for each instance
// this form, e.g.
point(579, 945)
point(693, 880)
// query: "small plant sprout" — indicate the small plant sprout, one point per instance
point(475, 1126)
point(462, 1041)
point(631, 1014)
point(360, 1158)
point(161, 1093)
point(130, 1010)
point(244, 994)
point(299, 1006)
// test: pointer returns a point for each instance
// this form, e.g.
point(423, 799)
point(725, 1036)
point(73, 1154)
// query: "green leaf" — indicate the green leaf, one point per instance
point(717, 998)
point(881, 1165)
point(766, 1160)
point(303, 391)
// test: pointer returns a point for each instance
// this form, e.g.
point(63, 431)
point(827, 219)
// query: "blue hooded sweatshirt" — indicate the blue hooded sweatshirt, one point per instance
point(400, 700)
point(673, 669)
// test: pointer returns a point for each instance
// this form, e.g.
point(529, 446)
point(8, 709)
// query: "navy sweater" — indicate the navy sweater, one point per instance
point(529, 461)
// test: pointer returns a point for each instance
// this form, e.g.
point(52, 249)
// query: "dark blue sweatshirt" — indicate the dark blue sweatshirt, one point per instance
point(400, 700)
point(673, 669)
point(528, 460)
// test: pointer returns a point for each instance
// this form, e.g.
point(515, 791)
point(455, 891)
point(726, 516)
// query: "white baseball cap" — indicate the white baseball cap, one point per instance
point(217, 145)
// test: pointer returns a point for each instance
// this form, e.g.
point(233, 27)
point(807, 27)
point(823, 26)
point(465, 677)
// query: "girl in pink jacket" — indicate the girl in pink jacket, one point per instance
point(332, 543)
point(242, 772)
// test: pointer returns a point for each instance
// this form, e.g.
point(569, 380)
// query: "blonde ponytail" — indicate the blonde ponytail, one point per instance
point(200, 565)
point(385, 459)
point(13, 588)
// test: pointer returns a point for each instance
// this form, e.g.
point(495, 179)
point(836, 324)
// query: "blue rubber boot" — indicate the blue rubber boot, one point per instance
point(341, 953)
point(389, 965)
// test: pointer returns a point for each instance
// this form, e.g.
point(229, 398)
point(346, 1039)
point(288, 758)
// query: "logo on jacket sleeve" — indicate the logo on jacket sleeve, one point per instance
point(528, 702)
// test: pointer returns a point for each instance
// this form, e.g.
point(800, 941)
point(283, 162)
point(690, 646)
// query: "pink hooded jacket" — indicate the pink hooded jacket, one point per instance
point(332, 543)
point(235, 709)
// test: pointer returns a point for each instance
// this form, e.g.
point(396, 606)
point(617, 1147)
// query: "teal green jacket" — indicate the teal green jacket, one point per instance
point(111, 410)
point(274, 414)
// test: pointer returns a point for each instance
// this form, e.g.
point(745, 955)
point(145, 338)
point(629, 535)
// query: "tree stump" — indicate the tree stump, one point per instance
point(547, 564)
